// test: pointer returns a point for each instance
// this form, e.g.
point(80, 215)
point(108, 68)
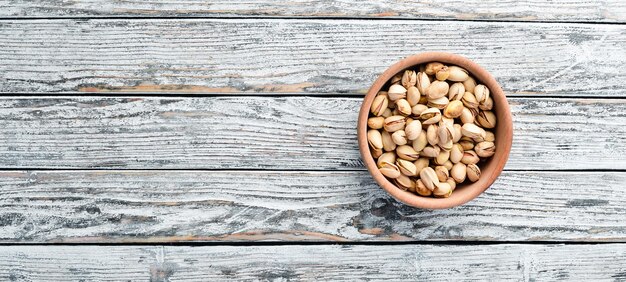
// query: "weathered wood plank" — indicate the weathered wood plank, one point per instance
point(298, 56)
point(169, 206)
point(314, 263)
point(528, 10)
point(272, 133)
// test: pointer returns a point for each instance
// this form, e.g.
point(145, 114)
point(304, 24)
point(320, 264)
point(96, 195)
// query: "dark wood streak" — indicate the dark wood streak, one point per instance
point(179, 206)
point(198, 56)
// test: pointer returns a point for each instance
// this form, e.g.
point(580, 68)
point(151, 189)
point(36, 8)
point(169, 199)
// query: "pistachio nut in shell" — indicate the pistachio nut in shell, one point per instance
point(394, 123)
point(407, 152)
point(472, 131)
point(466, 144)
point(457, 133)
point(456, 91)
point(422, 82)
point(375, 139)
point(442, 74)
point(413, 130)
point(485, 149)
point(469, 100)
point(429, 178)
point(420, 142)
point(409, 78)
point(437, 89)
point(433, 67)
point(456, 153)
point(404, 182)
point(458, 172)
point(486, 105)
point(442, 173)
point(386, 113)
point(418, 109)
point(466, 116)
point(430, 116)
point(481, 92)
point(469, 84)
point(379, 105)
point(486, 119)
point(452, 183)
point(390, 170)
point(453, 109)
point(432, 134)
point(403, 107)
point(399, 137)
point(376, 153)
point(388, 157)
point(421, 163)
point(406, 167)
point(430, 151)
point(446, 146)
point(388, 144)
point(443, 190)
point(489, 136)
point(413, 96)
point(439, 103)
point(396, 79)
point(473, 172)
point(443, 157)
point(457, 74)
point(375, 122)
point(448, 165)
point(396, 92)
point(470, 157)
point(421, 189)
point(445, 133)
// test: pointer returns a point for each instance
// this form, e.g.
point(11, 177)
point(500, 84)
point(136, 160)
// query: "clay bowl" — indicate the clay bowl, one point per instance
point(490, 169)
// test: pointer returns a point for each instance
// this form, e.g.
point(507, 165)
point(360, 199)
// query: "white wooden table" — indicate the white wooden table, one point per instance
point(209, 140)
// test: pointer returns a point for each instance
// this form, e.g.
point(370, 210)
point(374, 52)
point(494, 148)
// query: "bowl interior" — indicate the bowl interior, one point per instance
point(490, 169)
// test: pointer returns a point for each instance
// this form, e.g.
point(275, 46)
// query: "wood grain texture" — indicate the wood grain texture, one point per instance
point(528, 10)
point(181, 206)
point(303, 133)
point(314, 263)
point(297, 56)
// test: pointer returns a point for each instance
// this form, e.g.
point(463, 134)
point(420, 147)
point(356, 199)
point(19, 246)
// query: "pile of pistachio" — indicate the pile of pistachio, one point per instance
point(428, 133)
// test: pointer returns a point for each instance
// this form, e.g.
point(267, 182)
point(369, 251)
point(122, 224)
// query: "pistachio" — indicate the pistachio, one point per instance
point(470, 157)
point(442, 157)
point(395, 112)
point(409, 78)
point(388, 157)
point(422, 82)
point(413, 95)
point(406, 167)
point(379, 105)
point(486, 105)
point(445, 132)
point(394, 123)
point(457, 74)
point(448, 165)
point(456, 91)
point(388, 144)
point(421, 141)
point(396, 92)
point(430, 116)
point(443, 190)
point(442, 74)
point(408, 120)
point(472, 131)
point(403, 107)
point(375, 122)
point(429, 178)
point(430, 151)
point(469, 84)
point(473, 172)
point(390, 170)
point(421, 163)
point(446, 121)
point(374, 139)
point(423, 99)
point(481, 92)
point(489, 136)
point(386, 113)
point(418, 109)
point(376, 153)
point(396, 79)
point(433, 68)
point(437, 89)
point(432, 134)
point(485, 149)
point(466, 116)
point(466, 145)
point(439, 103)
point(458, 172)
point(442, 173)
point(413, 130)
point(404, 182)
point(399, 137)
point(453, 109)
point(456, 153)
point(421, 189)
point(407, 152)
point(457, 133)
point(452, 183)
point(486, 119)
point(469, 100)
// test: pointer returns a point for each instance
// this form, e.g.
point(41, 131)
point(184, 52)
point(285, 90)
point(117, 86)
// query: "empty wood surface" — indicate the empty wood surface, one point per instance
point(182, 206)
point(278, 133)
point(314, 263)
point(298, 56)
point(527, 10)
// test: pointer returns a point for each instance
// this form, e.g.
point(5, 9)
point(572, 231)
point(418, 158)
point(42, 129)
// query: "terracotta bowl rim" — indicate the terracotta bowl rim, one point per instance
point(490, 170)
